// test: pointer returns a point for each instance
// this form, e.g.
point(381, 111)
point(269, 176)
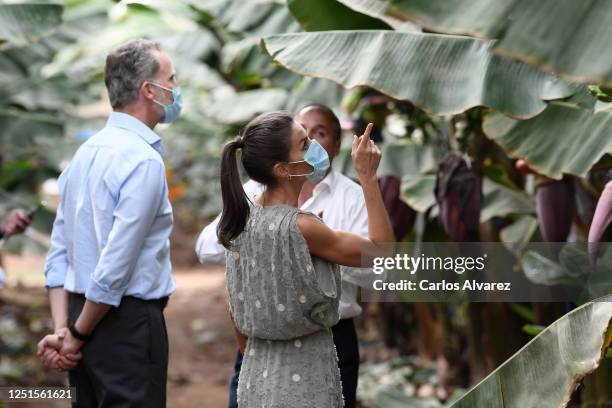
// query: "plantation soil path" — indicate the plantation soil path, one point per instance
point(202, 347)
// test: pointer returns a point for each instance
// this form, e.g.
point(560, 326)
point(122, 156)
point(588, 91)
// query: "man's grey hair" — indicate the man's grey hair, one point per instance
point(127, 67)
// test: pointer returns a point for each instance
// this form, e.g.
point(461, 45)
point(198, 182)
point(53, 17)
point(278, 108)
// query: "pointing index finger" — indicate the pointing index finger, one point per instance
point(368, 130)
point(365, 138)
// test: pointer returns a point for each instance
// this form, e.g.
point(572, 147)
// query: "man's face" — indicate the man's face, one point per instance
point(165, 77)
point(319, 127)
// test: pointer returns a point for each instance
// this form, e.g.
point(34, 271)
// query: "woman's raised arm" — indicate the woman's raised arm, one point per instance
point(345, 248)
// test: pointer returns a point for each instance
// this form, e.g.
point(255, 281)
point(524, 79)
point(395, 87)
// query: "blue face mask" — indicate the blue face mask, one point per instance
point(171, 111)
point(317, 157)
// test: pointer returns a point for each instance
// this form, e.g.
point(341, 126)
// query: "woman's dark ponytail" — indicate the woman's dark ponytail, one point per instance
point(235, 201)
point(266, 141)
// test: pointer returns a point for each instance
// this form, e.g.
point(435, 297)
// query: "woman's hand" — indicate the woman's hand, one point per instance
point(345, 248)
point(366, 155)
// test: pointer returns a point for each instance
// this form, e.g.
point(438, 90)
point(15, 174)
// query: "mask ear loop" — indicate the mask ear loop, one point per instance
point(160, 86)
point(300, 175)
point(165, 89)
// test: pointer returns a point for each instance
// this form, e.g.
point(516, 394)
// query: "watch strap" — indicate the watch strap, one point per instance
point(79, 336)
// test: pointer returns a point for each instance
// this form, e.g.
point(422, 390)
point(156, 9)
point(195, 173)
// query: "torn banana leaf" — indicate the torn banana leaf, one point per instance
point(546, 371)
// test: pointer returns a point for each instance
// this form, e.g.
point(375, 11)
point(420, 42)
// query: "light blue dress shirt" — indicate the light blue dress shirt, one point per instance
point(111, 233)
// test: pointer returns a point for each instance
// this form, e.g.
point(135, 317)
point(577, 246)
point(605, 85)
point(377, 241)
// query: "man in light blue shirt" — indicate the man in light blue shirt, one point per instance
point(108, 270)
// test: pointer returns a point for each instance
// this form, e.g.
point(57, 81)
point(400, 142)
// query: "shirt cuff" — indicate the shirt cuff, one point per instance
point(101, 293)
point(362, 277)
point(55, 275)
point(212, 258)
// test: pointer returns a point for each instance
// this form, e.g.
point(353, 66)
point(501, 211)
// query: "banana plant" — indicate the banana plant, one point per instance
point(446, 74)
point(566, 138)
point(22, 23)
point(438, 73)
point(547, 370)
point(566, 37)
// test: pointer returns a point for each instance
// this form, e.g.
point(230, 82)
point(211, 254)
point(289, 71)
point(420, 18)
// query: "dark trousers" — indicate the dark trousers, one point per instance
point(347, 347)
point(125, 363)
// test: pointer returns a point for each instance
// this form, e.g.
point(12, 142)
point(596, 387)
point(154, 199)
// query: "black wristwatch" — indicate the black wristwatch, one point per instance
point(75, 333)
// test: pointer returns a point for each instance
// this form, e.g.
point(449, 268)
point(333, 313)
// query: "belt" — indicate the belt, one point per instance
point(163, 302)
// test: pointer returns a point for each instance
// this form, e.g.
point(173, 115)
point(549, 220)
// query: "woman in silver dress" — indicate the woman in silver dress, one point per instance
point(282, 272)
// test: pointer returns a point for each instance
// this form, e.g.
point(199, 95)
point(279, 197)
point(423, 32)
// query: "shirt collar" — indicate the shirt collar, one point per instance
point(128, 122)
point(328, 181)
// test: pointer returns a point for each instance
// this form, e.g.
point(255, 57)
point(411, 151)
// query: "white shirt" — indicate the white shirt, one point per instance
point(340, 202)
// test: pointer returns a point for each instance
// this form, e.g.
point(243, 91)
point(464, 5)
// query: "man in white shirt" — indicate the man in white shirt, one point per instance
point(340, 202)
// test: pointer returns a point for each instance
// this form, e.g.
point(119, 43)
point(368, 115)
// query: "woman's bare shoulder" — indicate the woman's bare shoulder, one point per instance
point(310, 224)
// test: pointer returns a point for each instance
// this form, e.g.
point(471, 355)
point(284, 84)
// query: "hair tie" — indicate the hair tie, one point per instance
point(240, 142)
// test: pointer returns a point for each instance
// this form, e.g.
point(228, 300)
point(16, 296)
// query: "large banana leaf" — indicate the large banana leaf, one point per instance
point(32, 146)
point(24, 22)
point(320, 15)
point(25, 80)
point(399, 158)
point(518, 234)
point(498, 200)
point(545, 372)
point(570, 38)
point(418, 191)
point(255, 18)
point(238, 108)
point(439, 73)
point(314, 90)
point(571, 266)
point(79, 20)
point(86, 57)
point(479, 18)
point(382, 10)
point(565, 138)
point(242, 24)
point(242, 106)
point(21, 129)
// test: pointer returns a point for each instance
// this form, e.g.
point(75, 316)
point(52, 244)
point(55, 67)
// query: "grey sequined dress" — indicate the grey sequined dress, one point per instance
point(286, 302)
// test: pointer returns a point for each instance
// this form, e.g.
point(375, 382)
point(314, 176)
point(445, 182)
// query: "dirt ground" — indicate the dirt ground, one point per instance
point(202, 348)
